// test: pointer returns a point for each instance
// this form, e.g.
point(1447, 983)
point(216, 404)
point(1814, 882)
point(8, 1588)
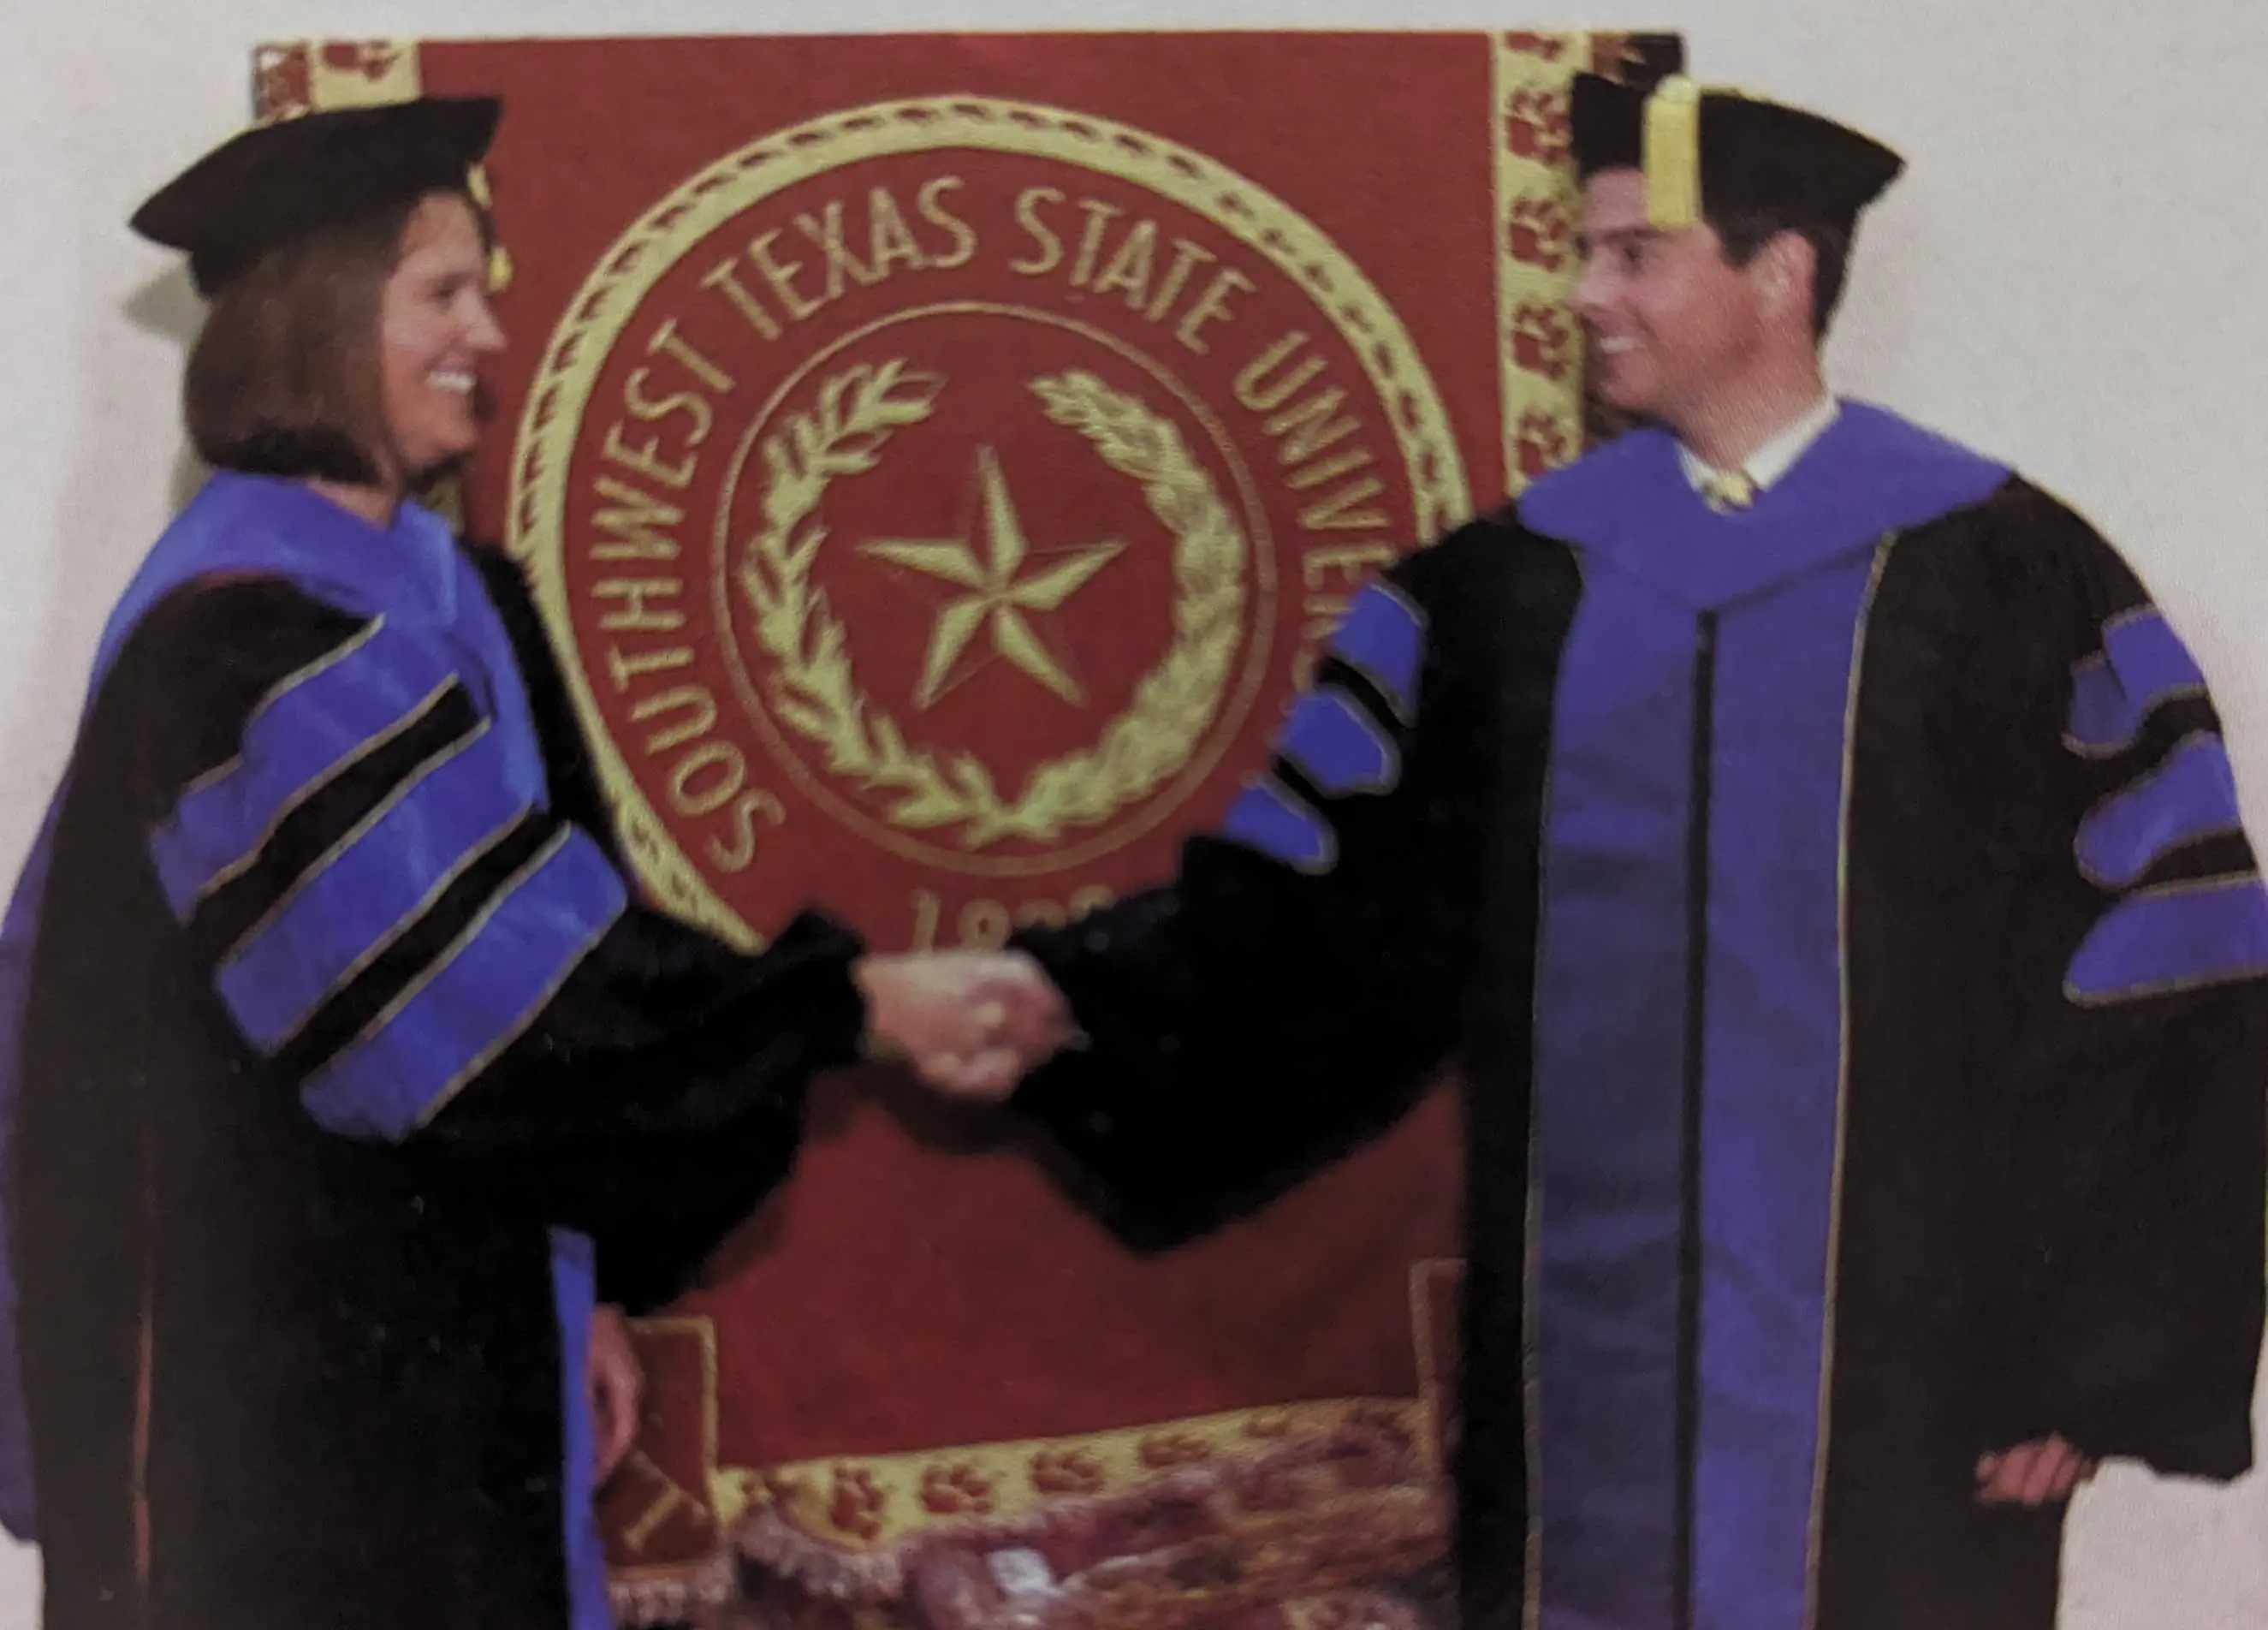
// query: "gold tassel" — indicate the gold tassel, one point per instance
point(476, 183)
point(1672, 154)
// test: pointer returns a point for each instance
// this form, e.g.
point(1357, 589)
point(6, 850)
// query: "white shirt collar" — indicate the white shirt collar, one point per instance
point(1768, 463)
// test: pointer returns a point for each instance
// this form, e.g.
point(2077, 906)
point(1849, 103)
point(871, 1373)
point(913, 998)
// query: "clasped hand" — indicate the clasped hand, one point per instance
point(970, 1023)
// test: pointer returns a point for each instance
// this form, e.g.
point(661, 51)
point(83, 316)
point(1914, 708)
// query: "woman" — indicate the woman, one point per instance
point(351, 1066)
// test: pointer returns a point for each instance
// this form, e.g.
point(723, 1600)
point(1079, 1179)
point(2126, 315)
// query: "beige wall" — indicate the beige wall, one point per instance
point(2072, 276)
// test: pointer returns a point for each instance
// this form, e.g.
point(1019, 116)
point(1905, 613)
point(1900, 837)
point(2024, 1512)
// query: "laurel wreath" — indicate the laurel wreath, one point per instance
point(814, 691)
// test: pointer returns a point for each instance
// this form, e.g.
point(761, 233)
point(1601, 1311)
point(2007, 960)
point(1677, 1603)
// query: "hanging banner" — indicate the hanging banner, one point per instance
point(937, 460)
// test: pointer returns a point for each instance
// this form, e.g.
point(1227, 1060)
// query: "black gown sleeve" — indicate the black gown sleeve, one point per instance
point(1298, 984)
point(683, 1222)
point(397, 919)
point(2132, 1073)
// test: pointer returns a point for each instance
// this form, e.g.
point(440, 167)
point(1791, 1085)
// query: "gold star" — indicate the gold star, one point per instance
point(996, 601)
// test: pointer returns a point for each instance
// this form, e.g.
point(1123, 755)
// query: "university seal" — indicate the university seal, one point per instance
point(947, 494)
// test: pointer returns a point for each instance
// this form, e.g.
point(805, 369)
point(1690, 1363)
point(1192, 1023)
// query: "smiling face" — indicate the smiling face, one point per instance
point(434, 327)
point(1672, 322)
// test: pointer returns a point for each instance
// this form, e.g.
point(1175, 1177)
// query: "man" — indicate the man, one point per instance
point(1824, 862)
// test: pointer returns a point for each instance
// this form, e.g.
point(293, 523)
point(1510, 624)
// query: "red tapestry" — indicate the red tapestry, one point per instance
point(939, 459)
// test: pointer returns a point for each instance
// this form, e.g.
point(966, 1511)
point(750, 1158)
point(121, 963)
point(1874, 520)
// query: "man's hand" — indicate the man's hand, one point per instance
point(970, 1023)
point(617, 1386)
point(2032, 1474)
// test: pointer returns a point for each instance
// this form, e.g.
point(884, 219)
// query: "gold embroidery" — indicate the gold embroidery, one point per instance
point(817, 695)
point(603, 307)
point(1274, 1478)
point(1539, 352)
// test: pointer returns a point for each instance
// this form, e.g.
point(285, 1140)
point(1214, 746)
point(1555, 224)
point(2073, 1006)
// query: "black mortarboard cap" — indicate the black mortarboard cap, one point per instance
point(1707, 150)
point(277, 183)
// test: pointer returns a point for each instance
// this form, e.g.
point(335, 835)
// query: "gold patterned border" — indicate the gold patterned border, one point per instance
point(1540, 344)
point(657, 1492)
point(296, 76)
point(847, 1527)
point(868, 1502)
point(842, 1523)
point(718, 1486)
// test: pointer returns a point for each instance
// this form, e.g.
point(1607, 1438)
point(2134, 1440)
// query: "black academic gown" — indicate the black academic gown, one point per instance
point(348, 1044)
point(1840, 917)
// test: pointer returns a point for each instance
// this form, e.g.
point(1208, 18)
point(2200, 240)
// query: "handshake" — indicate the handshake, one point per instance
point(971, 1024)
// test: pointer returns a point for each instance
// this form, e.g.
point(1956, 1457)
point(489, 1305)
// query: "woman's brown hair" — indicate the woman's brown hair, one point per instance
point(283, 380)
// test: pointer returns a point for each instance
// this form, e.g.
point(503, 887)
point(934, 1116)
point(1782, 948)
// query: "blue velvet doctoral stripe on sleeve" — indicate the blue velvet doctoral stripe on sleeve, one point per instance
point(2143, 665)
point(1337, 747)
point(1382, 638)
point(370, 886)
point(477, 997)
point(372, 879)
point(1342, 737)
point(1280, 825)
point(2189, 797)
point(2157, 937)
point(2176, 938)
point(312, 728)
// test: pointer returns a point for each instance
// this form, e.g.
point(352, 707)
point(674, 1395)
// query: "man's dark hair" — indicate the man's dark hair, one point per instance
point(1744, 232)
